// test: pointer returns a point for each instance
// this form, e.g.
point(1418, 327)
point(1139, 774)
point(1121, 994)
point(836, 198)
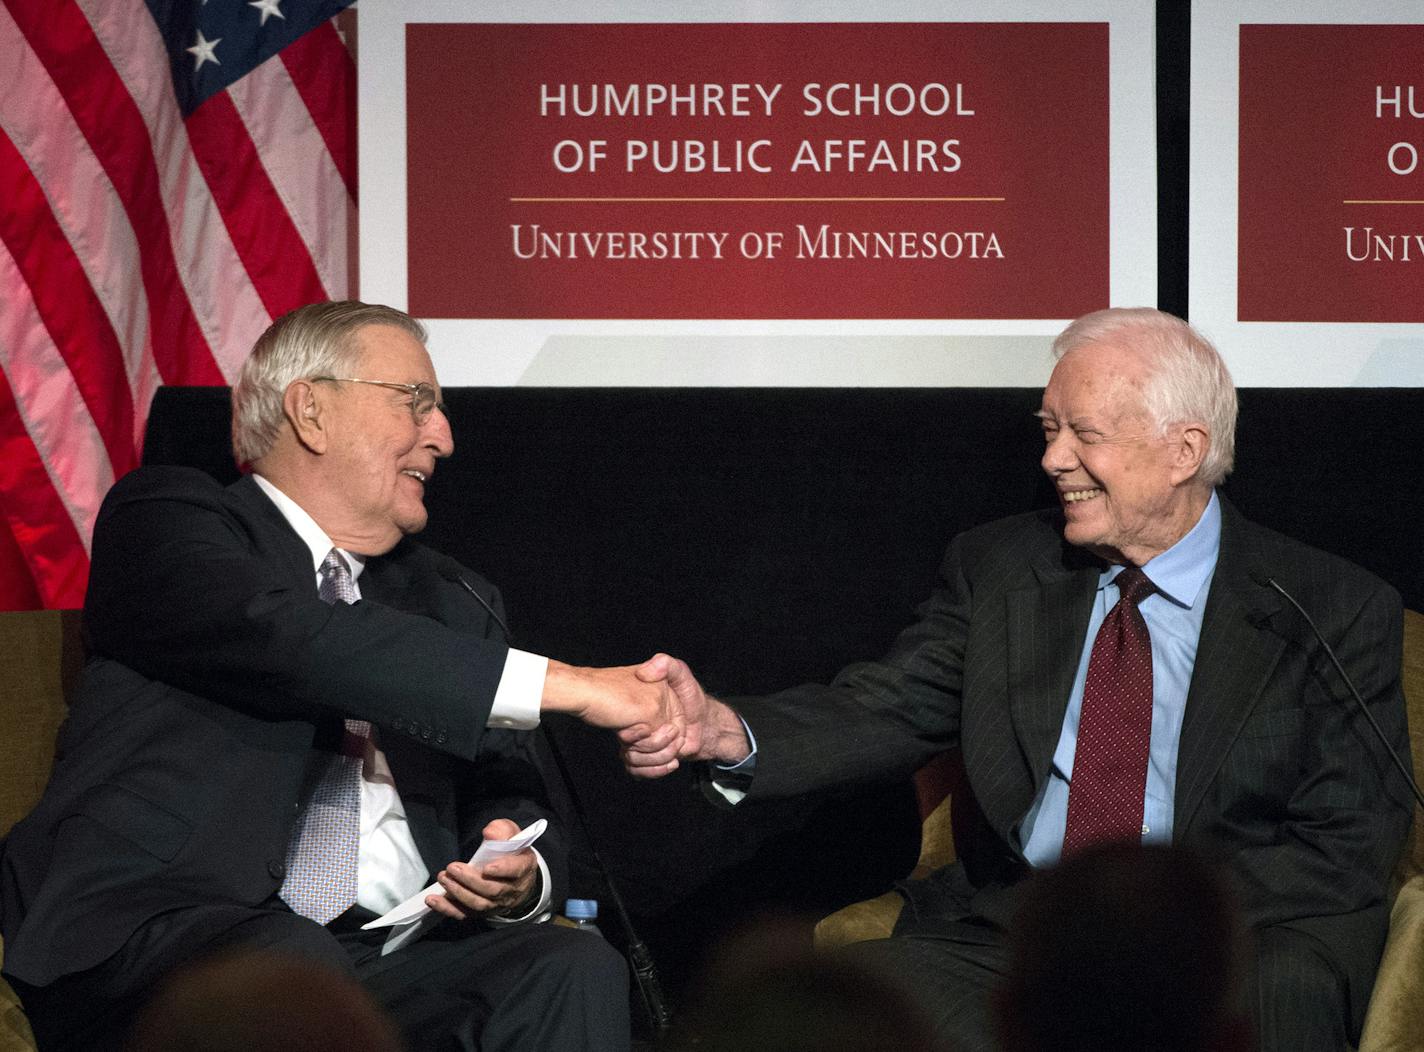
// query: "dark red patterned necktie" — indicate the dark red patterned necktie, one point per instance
point(1115, 726)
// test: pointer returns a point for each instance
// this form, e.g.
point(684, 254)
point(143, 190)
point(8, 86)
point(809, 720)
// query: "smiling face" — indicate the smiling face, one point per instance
point(1127, 493)
point(377, 458)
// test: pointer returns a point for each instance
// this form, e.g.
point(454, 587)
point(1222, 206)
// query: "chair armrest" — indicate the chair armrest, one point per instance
point(15, 1034)
point(936, 841)
point(1395, 1019)
point(875, 918)
point(860, 921)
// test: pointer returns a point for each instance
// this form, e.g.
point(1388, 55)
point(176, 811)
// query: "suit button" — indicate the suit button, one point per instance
point(441, 738)
point(425, 734)
point(276, 869)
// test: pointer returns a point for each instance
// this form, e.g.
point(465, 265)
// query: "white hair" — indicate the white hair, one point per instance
point(1187, 380)
point(315, 340)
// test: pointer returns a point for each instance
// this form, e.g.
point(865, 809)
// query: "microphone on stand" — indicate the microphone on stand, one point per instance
point(644, 969)
point(450, 570)
point(1266, 581)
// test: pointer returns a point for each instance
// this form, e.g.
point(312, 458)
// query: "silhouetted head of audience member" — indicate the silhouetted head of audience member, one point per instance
point(1126, 946)
point(251, 1000)
point(766, 988)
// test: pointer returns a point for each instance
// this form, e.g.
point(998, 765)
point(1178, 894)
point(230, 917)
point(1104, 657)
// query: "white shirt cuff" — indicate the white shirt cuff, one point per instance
point(731, 780)
point(540, 911)
point(521, 688)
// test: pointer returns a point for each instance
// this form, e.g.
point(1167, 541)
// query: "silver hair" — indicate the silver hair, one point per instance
point(1187, 379)
point(315, 340)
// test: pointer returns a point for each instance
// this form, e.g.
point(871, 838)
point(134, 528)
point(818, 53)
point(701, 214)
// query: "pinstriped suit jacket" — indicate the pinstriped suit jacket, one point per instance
point(1277, 771)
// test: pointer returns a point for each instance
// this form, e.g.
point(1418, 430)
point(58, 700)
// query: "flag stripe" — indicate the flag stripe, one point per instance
point(62, 432)
point(40, 524)
point(18, 590)
point(84, 206)
point(139, 245)
point(59, 565)
point(324, 75)
point(273, 252)
point(294, 156)
point(112, 124)
point(226, 305)
point(65, 303)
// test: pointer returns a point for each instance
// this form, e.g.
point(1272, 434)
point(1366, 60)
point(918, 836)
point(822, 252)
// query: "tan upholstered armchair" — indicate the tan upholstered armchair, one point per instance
point(40, 655)
point(1395, 1020)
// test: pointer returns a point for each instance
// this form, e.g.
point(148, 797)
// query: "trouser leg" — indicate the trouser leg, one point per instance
point(92, 1011)
point(1297, 993)
point(510, 988)
point(952, 977)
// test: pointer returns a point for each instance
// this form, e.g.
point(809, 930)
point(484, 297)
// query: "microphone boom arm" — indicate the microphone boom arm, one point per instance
point(644, 970)
point(1271, 582)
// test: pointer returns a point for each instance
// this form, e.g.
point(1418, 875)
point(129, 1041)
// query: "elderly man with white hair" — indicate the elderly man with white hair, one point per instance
point(1118, 668)
point(295, 717)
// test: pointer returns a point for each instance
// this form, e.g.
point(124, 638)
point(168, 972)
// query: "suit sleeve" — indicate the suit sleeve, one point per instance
point(188, 591)
point(877, 719)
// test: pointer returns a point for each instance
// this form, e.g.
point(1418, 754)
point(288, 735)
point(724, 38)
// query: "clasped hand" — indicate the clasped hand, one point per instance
point(704, 728)
point(658, 708)
point(629, 699)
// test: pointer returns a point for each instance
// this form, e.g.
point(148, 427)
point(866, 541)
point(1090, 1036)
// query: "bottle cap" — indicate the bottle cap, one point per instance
point(581, 909)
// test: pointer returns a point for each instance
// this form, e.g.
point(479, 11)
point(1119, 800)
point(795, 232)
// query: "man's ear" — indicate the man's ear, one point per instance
point(1193, 443)
point(307, 415)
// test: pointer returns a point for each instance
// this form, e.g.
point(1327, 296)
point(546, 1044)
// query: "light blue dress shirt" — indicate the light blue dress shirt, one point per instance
point(1173, 614)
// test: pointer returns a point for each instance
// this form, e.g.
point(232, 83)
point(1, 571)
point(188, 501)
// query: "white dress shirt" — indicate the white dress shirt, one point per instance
point(389, 866)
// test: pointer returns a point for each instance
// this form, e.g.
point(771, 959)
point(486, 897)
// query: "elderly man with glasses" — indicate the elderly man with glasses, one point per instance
point(295, 717)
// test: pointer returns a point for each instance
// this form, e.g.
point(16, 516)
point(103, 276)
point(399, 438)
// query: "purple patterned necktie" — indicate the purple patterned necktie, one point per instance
point(1115, 727)
point(322, 855)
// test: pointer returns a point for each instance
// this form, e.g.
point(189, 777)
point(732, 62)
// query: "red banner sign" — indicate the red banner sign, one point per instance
point(1331, 183)
point(757, 171)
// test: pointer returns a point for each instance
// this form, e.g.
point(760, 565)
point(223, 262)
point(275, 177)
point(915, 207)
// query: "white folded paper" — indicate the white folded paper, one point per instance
point(413, 917)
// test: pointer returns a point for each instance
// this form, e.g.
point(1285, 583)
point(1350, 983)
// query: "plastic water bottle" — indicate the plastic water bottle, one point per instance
point(584, 914)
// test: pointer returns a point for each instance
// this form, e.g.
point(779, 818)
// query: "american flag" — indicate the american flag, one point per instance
point(174, 174)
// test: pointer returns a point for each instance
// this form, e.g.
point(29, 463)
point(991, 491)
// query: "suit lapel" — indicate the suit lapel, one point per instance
point(273, 532)
point(384, 582)
point(424, 780)
point(422, 777)
point(1234, 661)
point(1045, 623)
point(403, 580)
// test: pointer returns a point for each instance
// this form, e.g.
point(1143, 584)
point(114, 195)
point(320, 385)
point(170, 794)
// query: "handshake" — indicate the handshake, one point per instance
point(660, 711)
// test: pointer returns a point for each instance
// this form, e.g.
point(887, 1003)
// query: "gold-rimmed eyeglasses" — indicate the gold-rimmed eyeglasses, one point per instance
point(422, 395)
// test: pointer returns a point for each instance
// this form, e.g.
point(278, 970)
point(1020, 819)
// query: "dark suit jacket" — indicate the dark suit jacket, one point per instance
point(1277, 772)
point(214, 669)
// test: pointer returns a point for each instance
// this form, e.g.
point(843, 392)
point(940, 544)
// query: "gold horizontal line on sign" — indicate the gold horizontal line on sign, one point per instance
point(1381, 202)
point(739, 200)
